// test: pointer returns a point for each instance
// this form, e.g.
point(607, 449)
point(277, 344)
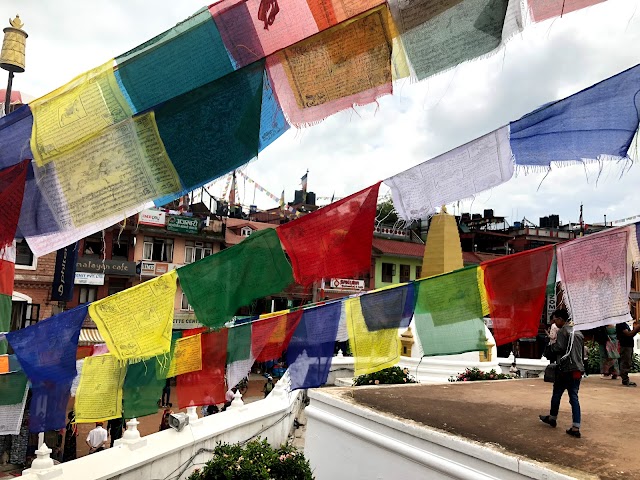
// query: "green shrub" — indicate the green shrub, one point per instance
point(255, 461)
point(388, 376)
point(472, 374)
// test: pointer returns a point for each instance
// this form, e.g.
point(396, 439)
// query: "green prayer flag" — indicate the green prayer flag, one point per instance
point(219, 284)
point(12, 387)
point(165, 360)
point(448, 314)
point(553, 273)
point(5, 320)
point(239, 343)
point(142, 388)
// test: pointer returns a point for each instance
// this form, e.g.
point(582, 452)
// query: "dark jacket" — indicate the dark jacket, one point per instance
point(575, 359)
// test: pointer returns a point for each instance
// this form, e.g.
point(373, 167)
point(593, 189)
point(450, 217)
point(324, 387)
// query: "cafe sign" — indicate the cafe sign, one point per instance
point(183, 224)
point(108, 267)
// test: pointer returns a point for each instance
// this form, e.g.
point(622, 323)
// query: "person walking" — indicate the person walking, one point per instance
point(625, 338)
point(115, 427)
point(568, 346)
point(97, 438)
point(612, 353)
point(166, 394)
point(70, 437)
point(268, 387)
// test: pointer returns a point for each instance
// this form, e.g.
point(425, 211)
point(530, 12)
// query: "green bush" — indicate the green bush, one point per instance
point(388, 376)
point(255, 461)
point(473, 374)
point(593, 360)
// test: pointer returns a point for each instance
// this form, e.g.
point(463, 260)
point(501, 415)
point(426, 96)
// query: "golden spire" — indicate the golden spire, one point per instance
point(16, 22)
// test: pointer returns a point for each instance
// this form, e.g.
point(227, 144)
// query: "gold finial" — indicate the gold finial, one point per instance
point(16, 22)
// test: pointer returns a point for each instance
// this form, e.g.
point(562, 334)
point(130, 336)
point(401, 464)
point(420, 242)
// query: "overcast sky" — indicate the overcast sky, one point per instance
point(353, 149)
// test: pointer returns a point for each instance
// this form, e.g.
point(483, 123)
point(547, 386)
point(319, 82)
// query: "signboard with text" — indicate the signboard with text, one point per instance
point(346, 284)
point(110, 267)
point(151, 217)
point(183, 224)
point(154, 269)
point(84, 278)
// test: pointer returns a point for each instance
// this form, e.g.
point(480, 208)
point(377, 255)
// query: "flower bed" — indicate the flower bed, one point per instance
point(473, 374)
point(388, 376)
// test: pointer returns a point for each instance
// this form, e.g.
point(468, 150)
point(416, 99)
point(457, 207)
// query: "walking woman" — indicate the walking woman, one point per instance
point(69, 452)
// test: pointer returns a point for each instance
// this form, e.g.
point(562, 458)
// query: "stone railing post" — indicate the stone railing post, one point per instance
point(43, 466)
point(192, 413)
point(131, 436)
point(237, 402)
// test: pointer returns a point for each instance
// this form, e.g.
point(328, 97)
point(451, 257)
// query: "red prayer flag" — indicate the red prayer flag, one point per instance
point(206, 386)
point(12, 180)
point(334, 241)
point(270, 337)
point(545, 9)
point(516, 287)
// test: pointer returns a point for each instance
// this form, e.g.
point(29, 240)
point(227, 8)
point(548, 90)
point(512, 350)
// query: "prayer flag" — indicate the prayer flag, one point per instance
point(99, 395)
point(179, 60)
point(12, 183)
point(596, 278)
point(596, 123)
point(239, 358)
point(272, 122)
point(516, 287)
point(462, 330)
point(390, 307)
point(187, 355)
point(7, 273)
point(219, 284)
point(12, 386)
point(11, 415)
point(48, 407)
point(207, 386)
point(545, 9)
point(311, 348)
point(334, 241)
point(460, 173)
point(142, 388)
point(137, 322)
point(270, 337)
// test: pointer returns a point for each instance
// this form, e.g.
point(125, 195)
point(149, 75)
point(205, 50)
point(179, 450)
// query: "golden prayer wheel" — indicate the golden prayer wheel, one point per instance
point(12, 56)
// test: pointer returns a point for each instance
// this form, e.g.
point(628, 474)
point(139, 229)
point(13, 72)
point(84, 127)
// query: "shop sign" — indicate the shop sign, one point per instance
point(108, 267)
point(151, 217)
point(154, 269)
point(346, 284)
point(183, 224)
point(84, 278)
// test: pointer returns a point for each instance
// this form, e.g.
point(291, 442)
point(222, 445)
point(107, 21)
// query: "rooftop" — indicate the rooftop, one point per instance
point(504, 415)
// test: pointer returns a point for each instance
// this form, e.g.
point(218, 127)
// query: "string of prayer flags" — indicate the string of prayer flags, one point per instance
point(12, 386)
point(596, 123)
point(460, 173)
point(56, 339)
point(137, 322)
point(239, 358)
point(596, 278)
point(7, 274)
point(12, 184)
point(179, 60)
point(312, 345)
point(271, 337)
point(48, 406)
point(334, 241)
point(516, 287)
point(99, 395)
point(142, 388)
point(460, 330)
point(329, 72)
point(212, 284)
point(74, 113)
point(95, 180)
point(199, 152)
point(545, 9)
point(187, 356)
point(11, 415)
point(456, 30)
point(206, 386)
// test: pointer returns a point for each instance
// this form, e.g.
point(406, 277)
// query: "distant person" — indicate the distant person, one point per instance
point(115, 426)
point(166, 393)
point(97, 438)
point(70, 439)
point(568, 347)
point(228, 397)
point(625, 338)
point(268, 387)
point(612, 353)
point(164, 422)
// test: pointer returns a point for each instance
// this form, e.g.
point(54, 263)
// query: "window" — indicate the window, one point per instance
point(418, 271)
point(93, 246)
point(194, 251)
point(185, 304)
point(246, 231)
point(120, 247)
point(388, 271)
point(117, 285)
point(158, 249)
point(24, 255)
point(405, 273)
point(88, 294)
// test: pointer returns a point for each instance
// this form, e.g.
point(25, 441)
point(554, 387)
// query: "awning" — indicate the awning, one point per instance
point(89, 336)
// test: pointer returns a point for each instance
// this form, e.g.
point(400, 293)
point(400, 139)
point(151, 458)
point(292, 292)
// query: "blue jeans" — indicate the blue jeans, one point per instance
point(565, 381)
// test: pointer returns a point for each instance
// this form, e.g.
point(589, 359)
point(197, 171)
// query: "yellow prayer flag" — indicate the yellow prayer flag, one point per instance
point(187, 356)
point(4, 363)
point(136, 323)
point(75, 112)
point(484, 300)
point(372, 351)
point(273, 314)
point(99, 395)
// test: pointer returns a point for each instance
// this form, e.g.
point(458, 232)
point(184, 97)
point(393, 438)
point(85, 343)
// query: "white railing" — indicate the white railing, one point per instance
point(173, 454)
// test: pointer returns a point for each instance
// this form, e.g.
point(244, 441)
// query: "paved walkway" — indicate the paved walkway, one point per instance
point(505, 413)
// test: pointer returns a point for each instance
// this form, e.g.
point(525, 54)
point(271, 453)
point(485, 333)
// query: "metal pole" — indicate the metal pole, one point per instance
point(7, 98)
